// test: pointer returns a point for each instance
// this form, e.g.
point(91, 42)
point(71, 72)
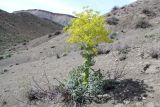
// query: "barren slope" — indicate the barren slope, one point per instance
point(22, 27)
point(62, 19)
point(136, 51)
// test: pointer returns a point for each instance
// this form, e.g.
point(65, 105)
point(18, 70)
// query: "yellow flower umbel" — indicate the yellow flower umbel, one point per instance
point(87, 30)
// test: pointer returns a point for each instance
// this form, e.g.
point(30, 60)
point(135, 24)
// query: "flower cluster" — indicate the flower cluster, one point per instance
point(88, 28)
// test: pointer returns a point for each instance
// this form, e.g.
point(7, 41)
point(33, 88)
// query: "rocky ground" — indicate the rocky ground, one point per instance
point(135, 51)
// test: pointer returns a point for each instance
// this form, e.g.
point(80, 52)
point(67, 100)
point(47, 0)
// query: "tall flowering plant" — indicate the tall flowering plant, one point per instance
point(87, 30)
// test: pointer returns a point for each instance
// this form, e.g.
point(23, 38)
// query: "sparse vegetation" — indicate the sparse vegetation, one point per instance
point(8, 55)
point(155, 36)
point(124, 73)
point(57, 33)
point(123, 49)
point(115, 8)
point(112, 21)
point(154, 53)
point(148, 12)
point(143, 24)
point(113, 35)
point(102, 51)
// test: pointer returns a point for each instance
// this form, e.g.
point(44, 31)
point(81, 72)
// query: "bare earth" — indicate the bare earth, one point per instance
point(40, 55)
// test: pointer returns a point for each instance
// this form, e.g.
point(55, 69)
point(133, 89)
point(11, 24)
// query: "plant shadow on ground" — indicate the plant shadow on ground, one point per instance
point(118, 91)
point(125, 90)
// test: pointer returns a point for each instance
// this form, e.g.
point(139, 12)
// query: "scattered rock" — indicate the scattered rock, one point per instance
point(143, 98)
point(1, 57)
point(5, 70)
point(123, 57)
point(10, 65)
point(57, 56)
point(4, 103)
point(145, 95)
point(24, 43)
point(52, 46)
point(146, 67)
point(123, 31)
point(57, 33)
point(50, 35)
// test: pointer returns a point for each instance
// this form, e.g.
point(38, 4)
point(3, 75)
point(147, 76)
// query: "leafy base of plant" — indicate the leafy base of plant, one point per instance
point(80, 92)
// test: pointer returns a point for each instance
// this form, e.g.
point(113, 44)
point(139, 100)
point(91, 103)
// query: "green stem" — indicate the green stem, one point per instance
point(88, 56)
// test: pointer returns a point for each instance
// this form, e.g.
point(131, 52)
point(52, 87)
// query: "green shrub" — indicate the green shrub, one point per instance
point(80, 92)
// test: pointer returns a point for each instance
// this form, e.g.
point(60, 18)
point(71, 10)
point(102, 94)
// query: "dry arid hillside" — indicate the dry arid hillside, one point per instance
point(21, 27)
point(133, 58)
point(62, 19)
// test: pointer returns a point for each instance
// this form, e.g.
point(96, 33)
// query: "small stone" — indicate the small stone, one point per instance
point(10, 65)
point(144, 98)
point(4, 103)
point(57, 56)
point(52, 46)
point(5, 70)
point(145, 95)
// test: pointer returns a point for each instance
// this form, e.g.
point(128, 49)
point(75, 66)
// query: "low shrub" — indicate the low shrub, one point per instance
point(123, 57)
point(114, 8)
point(148, 12)
point(81, 93)
point(112, 21)
point(113, 35)
point(101, 51)
point(123, 49)
point(8, 55)
point(57, 33)
point(143, 24)
point(154, 53)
